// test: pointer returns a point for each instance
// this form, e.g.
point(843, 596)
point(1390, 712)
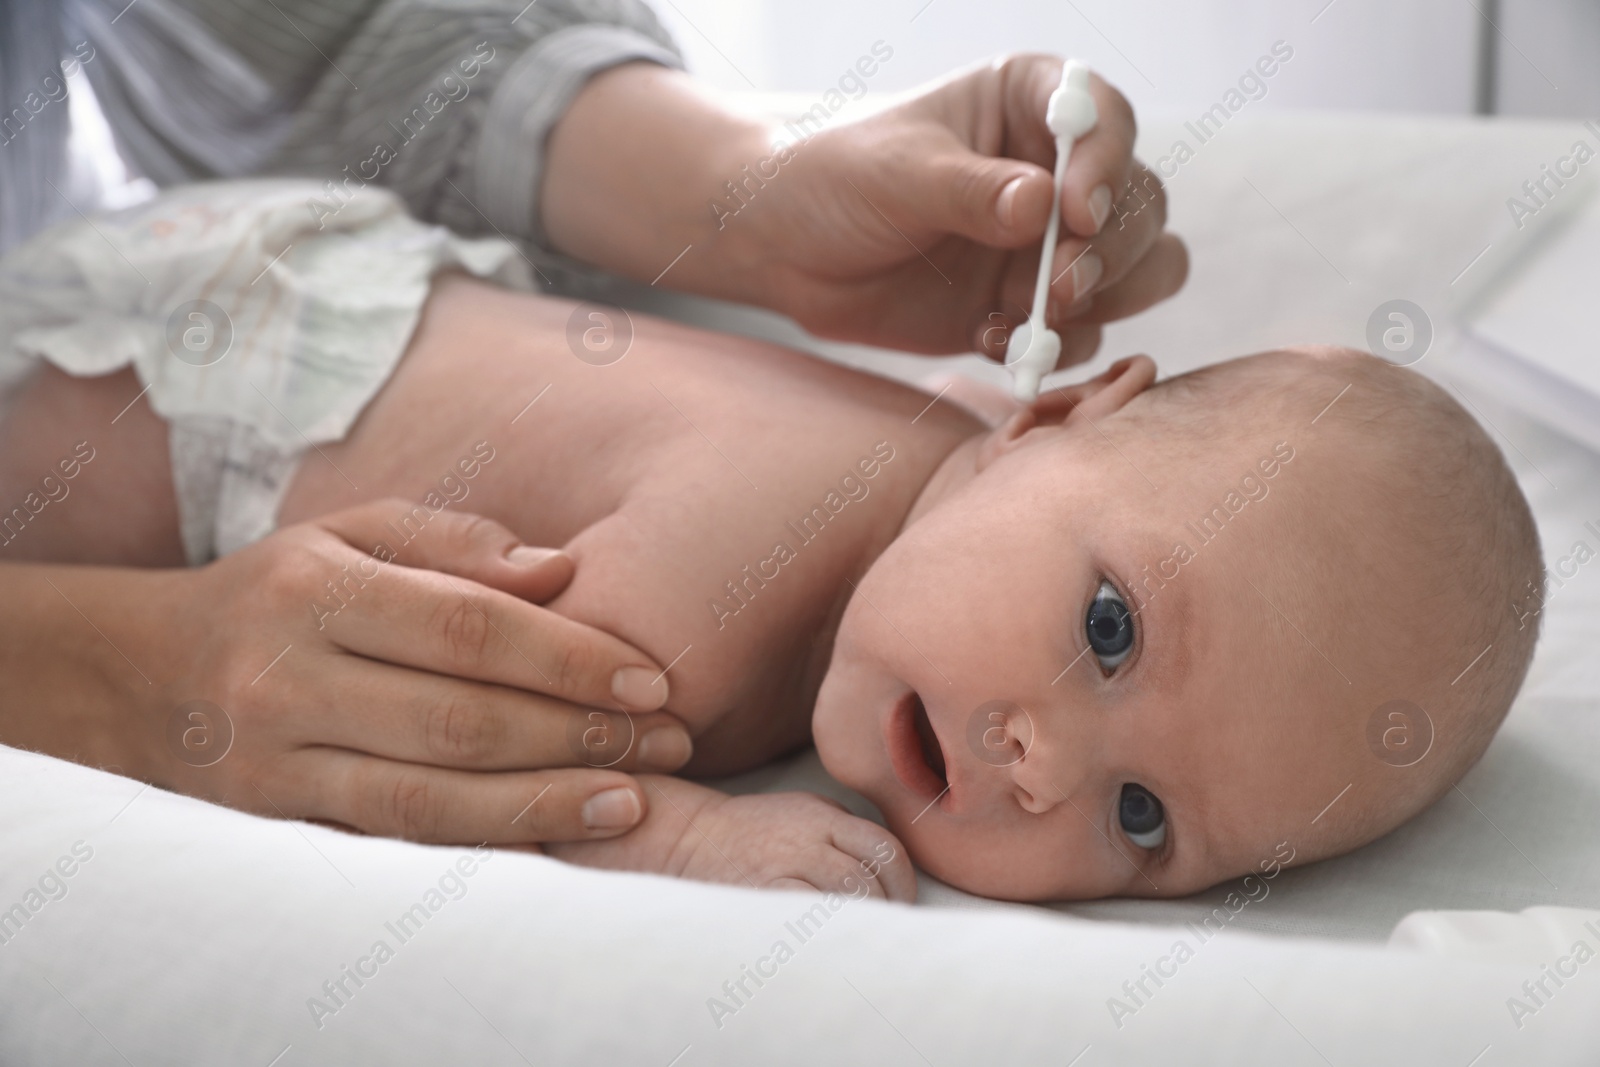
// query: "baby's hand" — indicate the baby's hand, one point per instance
point(776, 840)
point(792, 841)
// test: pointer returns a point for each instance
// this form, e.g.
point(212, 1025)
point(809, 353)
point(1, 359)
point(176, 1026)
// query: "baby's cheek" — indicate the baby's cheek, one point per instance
point(1023, 861)
point(842, 728)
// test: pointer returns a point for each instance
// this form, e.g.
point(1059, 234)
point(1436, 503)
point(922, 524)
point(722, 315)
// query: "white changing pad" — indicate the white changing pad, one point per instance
point(188, 934)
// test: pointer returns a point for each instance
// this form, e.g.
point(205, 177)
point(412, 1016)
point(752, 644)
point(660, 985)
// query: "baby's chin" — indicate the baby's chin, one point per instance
point(994, 882)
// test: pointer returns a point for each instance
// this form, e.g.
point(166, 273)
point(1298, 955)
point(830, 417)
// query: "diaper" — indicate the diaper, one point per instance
point(259, 319)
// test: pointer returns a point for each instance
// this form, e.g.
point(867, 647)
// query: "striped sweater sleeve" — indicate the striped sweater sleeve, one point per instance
point(448, 102)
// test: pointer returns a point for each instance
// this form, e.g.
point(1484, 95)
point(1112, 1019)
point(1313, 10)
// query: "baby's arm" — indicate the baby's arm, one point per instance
point(777, 840)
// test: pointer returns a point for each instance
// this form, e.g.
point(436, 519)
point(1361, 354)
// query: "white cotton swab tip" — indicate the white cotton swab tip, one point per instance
point(1040, 351)
point(1071, 111)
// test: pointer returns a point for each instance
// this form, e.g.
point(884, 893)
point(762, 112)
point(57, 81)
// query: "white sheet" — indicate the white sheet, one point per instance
point(195, 935)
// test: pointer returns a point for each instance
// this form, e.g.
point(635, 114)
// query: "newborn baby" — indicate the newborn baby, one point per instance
point(1132, 639)
point(1125, 642)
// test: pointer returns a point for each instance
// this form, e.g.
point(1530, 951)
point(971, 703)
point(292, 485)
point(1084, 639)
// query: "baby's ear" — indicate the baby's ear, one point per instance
point(1091, 401)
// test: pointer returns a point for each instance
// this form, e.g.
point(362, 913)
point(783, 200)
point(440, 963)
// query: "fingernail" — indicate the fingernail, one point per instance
point(1085, 273)
point(1100, 206)
point(613, 809)
point(665, 749)
point(1006, 206)
point(1077, 307)
point(528, 556)
point(639, 688)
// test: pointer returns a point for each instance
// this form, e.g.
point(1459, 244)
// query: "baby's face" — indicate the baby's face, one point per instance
point(1039, 718)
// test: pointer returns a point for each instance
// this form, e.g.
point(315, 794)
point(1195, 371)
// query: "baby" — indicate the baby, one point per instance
point(1132, 639)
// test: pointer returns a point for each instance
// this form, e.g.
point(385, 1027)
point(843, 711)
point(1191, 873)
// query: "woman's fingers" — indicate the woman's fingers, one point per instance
point(1154, 278)
point(953, 189)
point(468, 546)
point(1102, 159)
point(1113, 207)
point(418, 717)
point(1101, 164)
point(436, 622)
point(495, 638)
point(1083, 269)
point(446, 806)
point(1087, 267)
point(313, 731)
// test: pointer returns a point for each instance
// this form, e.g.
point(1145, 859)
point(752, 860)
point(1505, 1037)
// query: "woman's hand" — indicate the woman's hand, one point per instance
point(917, 227)
point(318, 675)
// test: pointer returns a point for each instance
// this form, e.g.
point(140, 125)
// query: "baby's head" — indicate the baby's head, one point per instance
point(1143, 638)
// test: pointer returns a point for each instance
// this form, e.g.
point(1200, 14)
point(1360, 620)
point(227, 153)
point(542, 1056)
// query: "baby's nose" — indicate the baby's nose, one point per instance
point(1035, 784)
point(1002, 734)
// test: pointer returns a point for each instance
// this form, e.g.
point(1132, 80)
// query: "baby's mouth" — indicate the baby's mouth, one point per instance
point(914, 749)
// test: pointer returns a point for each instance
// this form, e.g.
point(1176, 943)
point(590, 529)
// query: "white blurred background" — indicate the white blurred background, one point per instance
point(1177, 57)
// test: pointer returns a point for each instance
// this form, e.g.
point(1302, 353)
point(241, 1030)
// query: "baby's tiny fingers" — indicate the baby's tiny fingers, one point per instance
point(881, 861)
point(799, 884)
point(899, 879)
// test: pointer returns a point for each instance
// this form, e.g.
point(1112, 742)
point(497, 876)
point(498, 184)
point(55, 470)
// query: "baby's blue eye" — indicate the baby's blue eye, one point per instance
point(1109, 627)
point(1142, 817)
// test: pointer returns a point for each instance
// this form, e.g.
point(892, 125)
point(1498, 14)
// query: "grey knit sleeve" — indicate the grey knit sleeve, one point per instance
point(448, 102)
